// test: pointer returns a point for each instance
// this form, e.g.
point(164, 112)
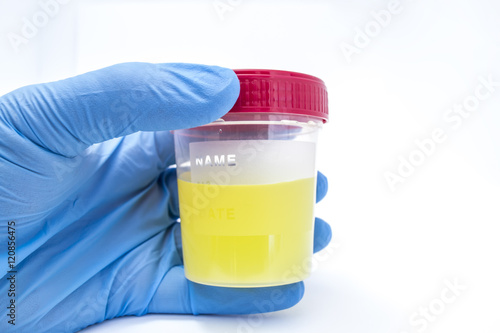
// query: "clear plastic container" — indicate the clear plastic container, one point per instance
point(247, 183)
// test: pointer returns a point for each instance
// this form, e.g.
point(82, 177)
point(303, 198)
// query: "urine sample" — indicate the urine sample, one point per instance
point(247, 183)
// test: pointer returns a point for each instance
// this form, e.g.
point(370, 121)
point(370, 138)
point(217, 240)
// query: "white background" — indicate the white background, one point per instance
point(393, 250)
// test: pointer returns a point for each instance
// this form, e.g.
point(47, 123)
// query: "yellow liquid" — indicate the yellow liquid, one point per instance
point(247, 235)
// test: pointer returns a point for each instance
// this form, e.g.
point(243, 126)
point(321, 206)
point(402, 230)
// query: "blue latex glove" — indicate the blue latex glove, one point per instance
point(95, 224)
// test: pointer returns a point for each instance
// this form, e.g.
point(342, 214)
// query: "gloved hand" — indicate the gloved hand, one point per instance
point(84, 175)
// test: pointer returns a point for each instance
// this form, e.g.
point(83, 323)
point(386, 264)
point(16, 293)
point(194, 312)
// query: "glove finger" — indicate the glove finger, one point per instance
point(169, 182)
point(176, 294)
point(322, 234)
point(70, 115)
point(139, 159)
point(321, 186)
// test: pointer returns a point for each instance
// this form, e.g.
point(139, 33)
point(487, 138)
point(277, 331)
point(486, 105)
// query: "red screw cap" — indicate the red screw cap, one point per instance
point(263, 90)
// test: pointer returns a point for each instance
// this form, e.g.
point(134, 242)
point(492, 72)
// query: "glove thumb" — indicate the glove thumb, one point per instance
point(68, 116)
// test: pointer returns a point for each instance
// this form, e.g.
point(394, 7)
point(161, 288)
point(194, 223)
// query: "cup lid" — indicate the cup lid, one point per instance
point(276, 91)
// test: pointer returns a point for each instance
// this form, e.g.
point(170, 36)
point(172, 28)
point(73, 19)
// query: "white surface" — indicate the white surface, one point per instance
point(331, 304)
point(396, 248)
